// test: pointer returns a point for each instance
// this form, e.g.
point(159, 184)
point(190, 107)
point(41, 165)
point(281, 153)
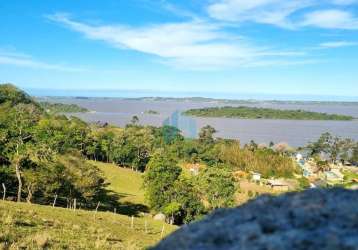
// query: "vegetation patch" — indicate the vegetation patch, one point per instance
point(244, 112)
point(58, 108)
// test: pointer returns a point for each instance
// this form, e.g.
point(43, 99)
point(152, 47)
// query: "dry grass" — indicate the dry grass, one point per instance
point(248, 190)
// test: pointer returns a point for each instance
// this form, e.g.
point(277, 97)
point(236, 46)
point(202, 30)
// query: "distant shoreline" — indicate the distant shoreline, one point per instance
point(202, 99)
point(158, 94)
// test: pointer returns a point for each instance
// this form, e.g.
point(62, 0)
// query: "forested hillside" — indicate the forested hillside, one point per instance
point(62, 161)
point(45, 155)
point(264, 113)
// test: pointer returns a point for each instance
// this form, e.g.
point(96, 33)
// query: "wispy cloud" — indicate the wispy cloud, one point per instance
point(26, 61)
point(280, 13)
point(275, 12)
point(338, 44)
point(194, 44)
point(331, 19)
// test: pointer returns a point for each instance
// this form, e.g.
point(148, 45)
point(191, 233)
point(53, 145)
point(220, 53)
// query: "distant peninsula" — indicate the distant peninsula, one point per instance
point(55, 108)
point(244, 112)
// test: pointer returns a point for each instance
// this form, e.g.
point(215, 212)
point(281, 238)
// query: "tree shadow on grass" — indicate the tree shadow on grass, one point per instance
point(128, 208)
point(111, 202)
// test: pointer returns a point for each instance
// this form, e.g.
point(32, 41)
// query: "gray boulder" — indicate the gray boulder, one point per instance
point(160, 217)
point(313, 219)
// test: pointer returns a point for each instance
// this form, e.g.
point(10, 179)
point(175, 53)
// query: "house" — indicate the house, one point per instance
point(256, 176)
point(299, 157)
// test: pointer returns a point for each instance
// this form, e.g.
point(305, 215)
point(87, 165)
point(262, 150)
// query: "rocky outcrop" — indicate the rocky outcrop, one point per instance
point(313, 219)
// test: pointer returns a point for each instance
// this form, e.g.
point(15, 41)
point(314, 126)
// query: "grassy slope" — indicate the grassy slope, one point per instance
point(22, 223)
point(34, 225)
point(123, 181)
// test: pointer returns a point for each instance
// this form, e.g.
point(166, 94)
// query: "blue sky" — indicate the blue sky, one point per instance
point(281, 47)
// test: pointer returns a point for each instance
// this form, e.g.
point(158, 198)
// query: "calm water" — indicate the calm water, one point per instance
point(296, 133)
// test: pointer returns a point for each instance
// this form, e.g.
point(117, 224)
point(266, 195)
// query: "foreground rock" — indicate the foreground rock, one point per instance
point(314, 219)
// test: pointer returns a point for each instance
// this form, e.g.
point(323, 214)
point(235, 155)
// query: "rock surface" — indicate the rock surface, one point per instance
point(160, 217)
point(313, 219)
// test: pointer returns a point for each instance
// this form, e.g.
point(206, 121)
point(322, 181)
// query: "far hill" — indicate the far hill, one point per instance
point(244, 112)
point(13, 95)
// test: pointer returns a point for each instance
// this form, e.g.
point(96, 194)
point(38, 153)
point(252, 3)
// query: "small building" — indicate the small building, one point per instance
point(299, 157)
point(256, 176)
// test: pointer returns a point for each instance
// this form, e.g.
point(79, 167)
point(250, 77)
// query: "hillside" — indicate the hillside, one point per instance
point(127, 184)
point(10, 93)
point(35, 227)
point(244, 112)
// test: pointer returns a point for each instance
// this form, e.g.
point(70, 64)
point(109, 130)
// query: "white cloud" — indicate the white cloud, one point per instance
point(194, 44)
point(280, 12)
point(274, 12)
point(338, 44)
point(26, 61)
point(331, 19)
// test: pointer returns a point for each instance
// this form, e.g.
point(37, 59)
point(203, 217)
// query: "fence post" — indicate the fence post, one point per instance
point(54, 201)
point(115, 210)
point(95, 213)
point(98, 206)
point(4, 188)
point(74, 204)
point(161, 234)
point(132, 222)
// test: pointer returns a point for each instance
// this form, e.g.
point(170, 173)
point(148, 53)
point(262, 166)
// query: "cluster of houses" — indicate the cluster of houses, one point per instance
point(332, 176)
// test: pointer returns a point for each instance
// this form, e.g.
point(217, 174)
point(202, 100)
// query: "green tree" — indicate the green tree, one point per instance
point(354, 157)
point(186, 193)
point(159, 181)
point(319, 146)
point(172, 209)
point(135, 120)
point(217, 186)
point(206, 134)
point(19, 123)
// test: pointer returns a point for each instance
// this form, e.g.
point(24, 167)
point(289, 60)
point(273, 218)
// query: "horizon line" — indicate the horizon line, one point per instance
point(143, 93)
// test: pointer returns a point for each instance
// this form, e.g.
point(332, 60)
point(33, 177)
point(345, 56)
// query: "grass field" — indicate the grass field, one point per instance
point(124, 182)
point(28, 226)
point(127, 186)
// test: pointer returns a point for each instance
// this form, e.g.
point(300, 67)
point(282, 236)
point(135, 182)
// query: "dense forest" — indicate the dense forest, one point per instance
point(45, 155)
point(244, 112)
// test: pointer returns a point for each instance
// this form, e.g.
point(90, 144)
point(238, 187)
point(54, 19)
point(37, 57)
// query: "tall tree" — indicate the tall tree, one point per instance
point(159, 181)
point(19, 122)
point(206, 134)
point(217, 186)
